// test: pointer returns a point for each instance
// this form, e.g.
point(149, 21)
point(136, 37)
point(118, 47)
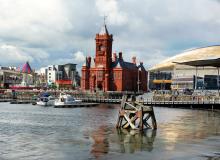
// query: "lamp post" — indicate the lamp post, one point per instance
point(218, 81)
point(138, 82)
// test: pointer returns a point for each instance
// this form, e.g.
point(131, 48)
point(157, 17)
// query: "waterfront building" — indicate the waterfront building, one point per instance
point(12, 77)
point(63, 76)
point(185, 76)
point(42, 77)
point(27, 75)
point(52, 74)
point(107, 72)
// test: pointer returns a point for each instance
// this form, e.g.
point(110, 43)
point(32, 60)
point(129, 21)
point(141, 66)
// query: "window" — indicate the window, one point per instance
point(117, 75)
point(100, 75)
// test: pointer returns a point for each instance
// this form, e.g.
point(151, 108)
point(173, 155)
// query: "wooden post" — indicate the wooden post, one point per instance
point(141, 119)
point(135, 115)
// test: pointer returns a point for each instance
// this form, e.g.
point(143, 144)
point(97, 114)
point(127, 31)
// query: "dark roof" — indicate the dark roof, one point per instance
point(142, 67)
point(202, 63)
point(123, 64)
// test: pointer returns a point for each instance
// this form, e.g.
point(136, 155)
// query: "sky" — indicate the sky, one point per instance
point(63, 31)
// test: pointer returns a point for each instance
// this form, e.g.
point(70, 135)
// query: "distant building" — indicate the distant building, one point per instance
point(107, 73)
point(52, 71)
point(63, 76)
point(160, 80)
point(17, 77)
point(42, 77)
point(184, 76)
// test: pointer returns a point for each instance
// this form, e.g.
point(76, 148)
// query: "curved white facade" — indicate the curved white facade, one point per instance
point(210, 52)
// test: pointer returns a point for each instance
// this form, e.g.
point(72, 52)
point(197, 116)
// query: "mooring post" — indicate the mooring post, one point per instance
point(141, 119)
point(134, 115)
point(154, 122)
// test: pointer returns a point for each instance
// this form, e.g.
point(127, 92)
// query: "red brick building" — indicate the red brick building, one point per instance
point(109, 72)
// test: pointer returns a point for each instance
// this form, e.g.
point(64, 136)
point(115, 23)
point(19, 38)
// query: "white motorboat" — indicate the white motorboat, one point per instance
point(66, 99)
point(46, 100)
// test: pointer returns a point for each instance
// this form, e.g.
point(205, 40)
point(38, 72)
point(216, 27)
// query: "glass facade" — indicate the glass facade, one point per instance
point(162, 83)
point(211, 82)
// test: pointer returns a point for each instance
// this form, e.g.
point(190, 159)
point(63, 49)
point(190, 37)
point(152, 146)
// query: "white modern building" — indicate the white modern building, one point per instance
point(184, 76)
point(52, 71)
point(64, 76)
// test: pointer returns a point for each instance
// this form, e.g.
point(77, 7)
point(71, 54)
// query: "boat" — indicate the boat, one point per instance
point(45, 100)
point(66, 99)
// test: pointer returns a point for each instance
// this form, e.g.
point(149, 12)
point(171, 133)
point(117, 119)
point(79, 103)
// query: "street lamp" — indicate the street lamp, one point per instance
point(138, 82)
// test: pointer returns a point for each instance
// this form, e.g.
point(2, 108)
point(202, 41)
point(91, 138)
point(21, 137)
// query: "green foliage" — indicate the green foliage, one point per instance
point(53, 86)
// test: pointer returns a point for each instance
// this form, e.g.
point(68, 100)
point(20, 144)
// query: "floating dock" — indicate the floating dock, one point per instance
point(77, 105)
point(21, 102)
point(185, 104)
point(5, 100)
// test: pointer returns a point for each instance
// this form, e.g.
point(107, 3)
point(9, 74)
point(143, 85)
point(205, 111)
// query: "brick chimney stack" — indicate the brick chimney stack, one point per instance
point(114, 57)
point(89, 60)
point(120, 56)
point(134, 60)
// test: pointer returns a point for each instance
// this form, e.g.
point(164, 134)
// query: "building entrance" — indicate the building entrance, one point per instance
point(100, 87)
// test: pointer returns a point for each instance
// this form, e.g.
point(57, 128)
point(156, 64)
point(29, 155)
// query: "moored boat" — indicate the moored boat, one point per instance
point(45, 100)
point(66, 99)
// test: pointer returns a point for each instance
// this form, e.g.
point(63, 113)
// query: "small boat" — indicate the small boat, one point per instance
point(45, 100)
point(66, 99)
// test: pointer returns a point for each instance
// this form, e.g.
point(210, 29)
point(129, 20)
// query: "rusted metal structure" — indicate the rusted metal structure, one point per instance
point(135, 115)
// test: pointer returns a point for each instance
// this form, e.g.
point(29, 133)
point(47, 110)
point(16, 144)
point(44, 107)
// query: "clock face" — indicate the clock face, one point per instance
point(102, 48)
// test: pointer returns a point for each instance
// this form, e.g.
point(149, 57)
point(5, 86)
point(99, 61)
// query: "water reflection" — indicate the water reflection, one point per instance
point(101, 142)
point(121, 140)
point(194, 125)
point(134, 140)
point(33, 132)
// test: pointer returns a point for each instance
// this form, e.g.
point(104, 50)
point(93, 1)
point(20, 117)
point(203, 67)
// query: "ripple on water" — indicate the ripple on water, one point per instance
point(33, 132)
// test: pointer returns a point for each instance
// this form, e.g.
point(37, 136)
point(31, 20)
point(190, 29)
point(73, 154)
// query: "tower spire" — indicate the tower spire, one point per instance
point(104, 29)
point(105, 17)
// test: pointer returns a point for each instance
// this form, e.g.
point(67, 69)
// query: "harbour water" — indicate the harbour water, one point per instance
point(30, 132)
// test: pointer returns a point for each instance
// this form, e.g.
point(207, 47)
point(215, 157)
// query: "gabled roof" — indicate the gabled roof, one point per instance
point(92, 63)
point(141, 67)
point(26, 68)
point(119, 63)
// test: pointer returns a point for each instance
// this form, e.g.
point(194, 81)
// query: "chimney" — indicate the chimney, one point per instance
point(134, 60)
point(120, 56)
point(89, 61)
point(114, 57)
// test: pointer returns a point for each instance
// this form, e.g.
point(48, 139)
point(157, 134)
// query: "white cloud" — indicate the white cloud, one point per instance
point(48, 31)
point(111, 9)
point(12, 54)
point(79, 57)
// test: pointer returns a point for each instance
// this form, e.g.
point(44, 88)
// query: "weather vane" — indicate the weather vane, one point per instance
point(105, 17)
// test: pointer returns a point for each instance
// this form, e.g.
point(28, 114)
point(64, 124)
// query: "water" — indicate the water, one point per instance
point(30, 132)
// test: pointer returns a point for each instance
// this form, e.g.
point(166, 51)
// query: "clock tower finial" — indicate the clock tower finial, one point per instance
point(105, 17)
point(103, 47)
point(104, 29)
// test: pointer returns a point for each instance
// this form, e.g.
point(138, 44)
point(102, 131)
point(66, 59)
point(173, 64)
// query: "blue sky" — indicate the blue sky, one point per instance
point(61, 31)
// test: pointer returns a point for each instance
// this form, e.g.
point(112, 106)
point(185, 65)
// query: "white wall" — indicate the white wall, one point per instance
point(51, 74)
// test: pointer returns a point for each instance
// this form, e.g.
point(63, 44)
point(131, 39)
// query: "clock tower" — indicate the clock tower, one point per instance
point(103, 48)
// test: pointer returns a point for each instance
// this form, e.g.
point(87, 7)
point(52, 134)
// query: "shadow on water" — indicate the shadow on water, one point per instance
point(121, 141)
